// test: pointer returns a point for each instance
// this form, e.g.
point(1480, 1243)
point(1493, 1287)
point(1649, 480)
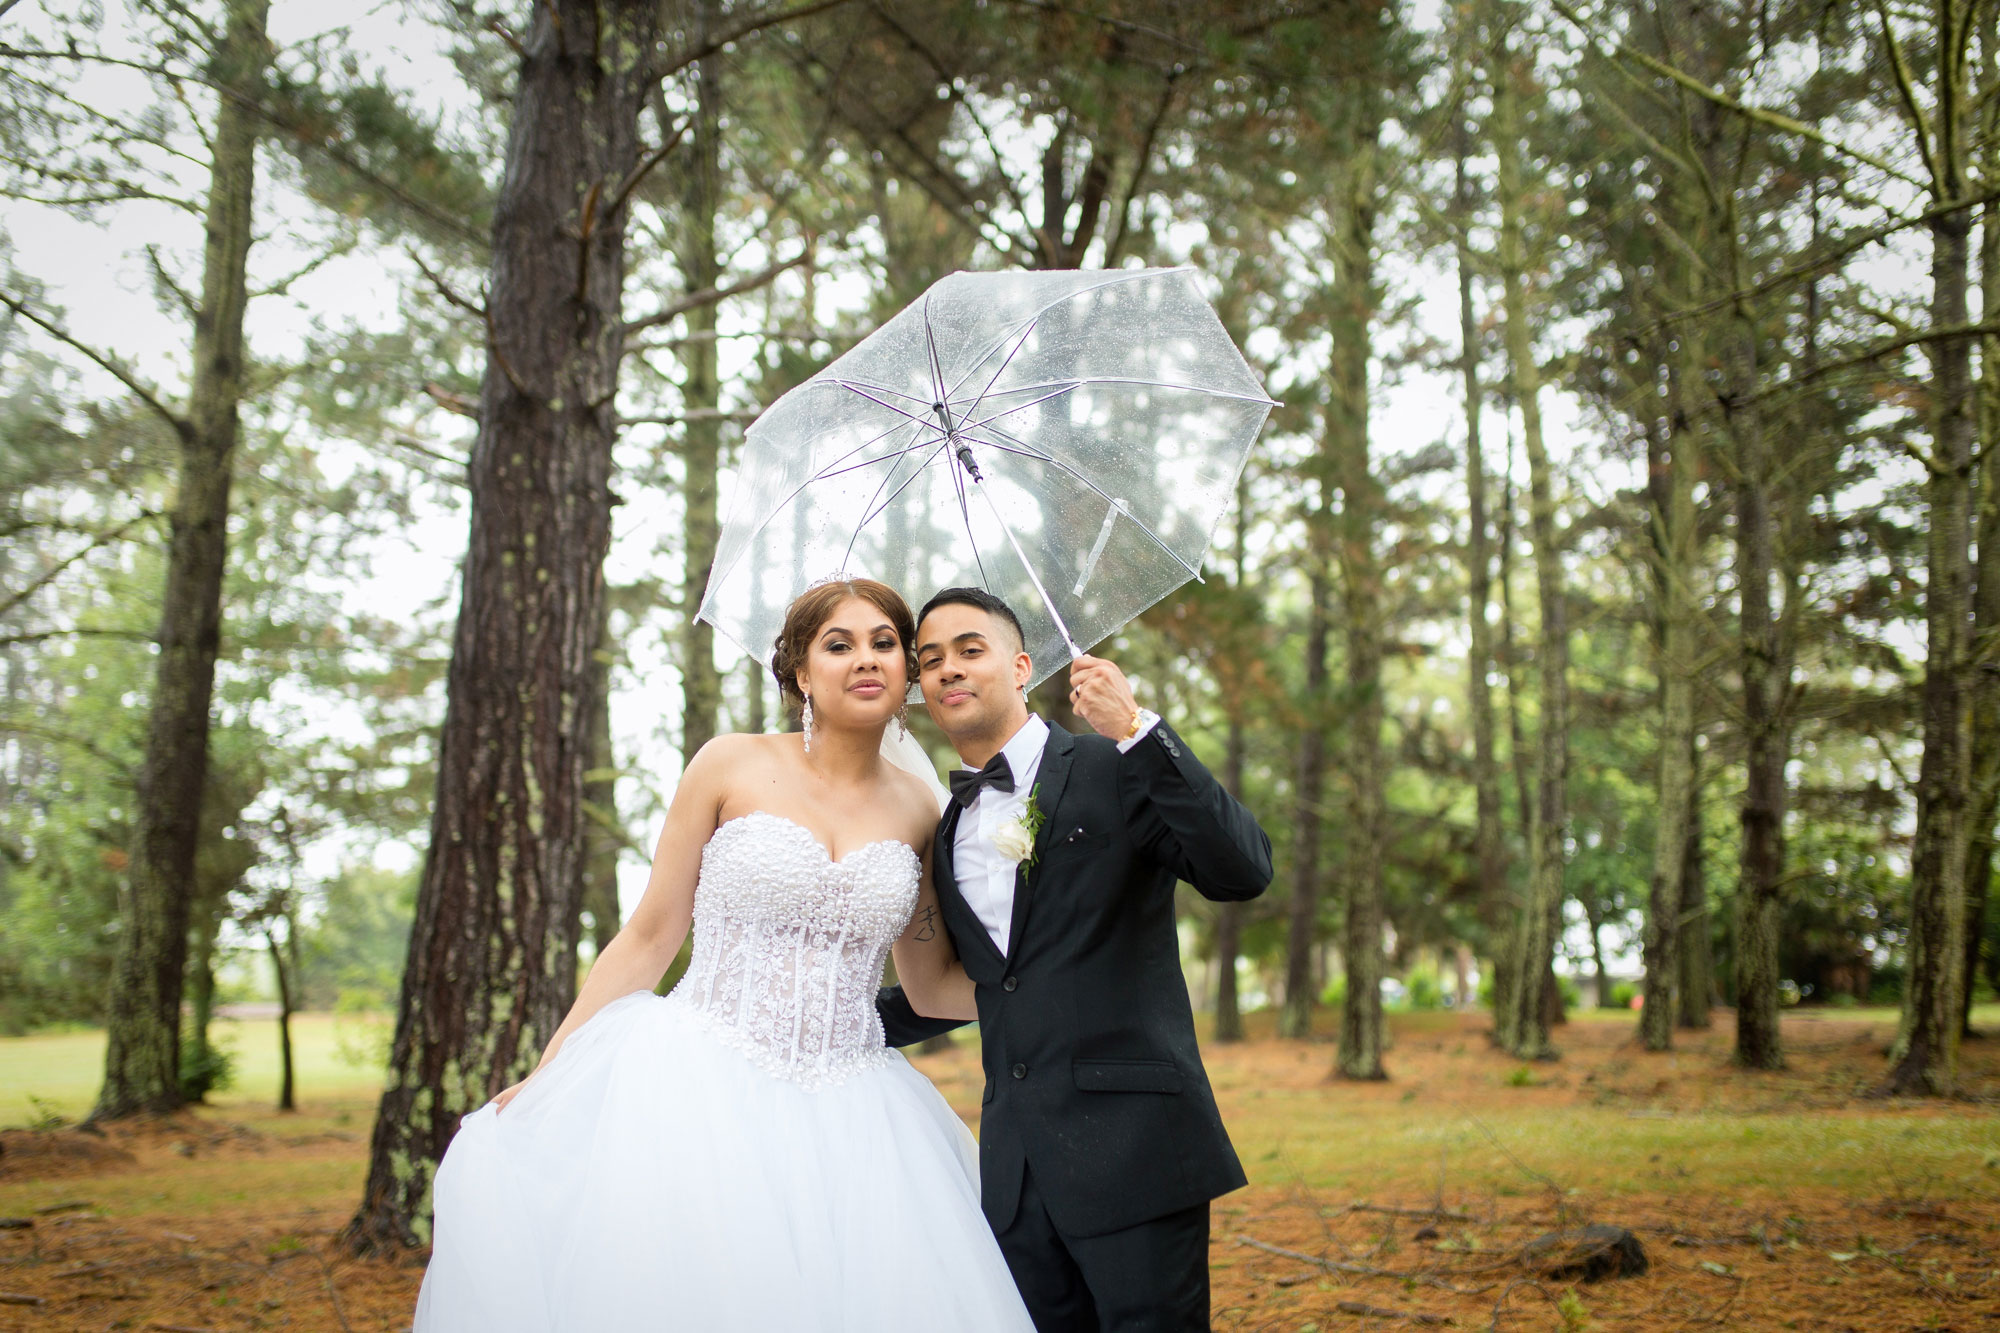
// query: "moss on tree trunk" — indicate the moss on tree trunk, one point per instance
point(492, 961)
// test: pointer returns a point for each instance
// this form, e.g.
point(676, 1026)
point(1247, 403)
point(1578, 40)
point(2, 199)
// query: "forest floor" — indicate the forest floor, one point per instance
point(1763, 1201)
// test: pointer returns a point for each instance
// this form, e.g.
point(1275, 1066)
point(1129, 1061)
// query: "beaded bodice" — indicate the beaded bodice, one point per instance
point(789, 945)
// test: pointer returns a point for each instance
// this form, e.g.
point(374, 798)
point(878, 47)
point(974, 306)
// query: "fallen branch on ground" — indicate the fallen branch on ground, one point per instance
point(1361, 1270)
point(1383, 1312)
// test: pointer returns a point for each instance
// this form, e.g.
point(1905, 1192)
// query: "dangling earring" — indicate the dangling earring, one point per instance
point(903, 721)
point(807, 720)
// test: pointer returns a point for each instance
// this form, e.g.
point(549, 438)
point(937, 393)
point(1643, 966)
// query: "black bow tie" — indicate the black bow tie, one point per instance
point(965, 782)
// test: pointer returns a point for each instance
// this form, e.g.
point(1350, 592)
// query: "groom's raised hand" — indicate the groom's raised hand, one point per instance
point(1101, 696)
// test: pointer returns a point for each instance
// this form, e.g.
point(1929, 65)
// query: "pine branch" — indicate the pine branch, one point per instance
point(710, 295)
point(1776, 120)
point(50, 575)
point(755, 23)
point(181, 425)
point(43, 636)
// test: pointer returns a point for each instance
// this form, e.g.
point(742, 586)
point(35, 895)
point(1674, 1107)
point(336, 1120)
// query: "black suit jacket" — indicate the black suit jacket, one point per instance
point(1093, 1076)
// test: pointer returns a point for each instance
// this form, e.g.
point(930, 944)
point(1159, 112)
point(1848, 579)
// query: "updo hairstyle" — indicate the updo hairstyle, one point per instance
point(808, 615)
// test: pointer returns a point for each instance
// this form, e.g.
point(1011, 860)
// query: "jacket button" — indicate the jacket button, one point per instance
point(1020, 1071)
point(1011, 983)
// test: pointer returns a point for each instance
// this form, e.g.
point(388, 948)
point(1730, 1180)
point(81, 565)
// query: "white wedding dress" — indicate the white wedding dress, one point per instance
point(743, 1153)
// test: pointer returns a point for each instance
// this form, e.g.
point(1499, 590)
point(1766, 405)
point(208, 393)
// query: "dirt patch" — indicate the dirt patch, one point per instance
point(27, 1154)
point(1280, 1260)
point(1373, 1205)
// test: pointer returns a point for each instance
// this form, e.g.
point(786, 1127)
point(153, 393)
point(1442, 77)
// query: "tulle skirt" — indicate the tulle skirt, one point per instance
point(652, 1177)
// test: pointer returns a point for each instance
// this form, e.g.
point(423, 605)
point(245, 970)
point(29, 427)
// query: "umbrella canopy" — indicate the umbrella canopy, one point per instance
point(1066, 440)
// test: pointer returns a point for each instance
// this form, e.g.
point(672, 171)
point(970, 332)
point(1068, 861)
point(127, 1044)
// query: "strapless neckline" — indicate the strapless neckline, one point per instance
point(831, 859)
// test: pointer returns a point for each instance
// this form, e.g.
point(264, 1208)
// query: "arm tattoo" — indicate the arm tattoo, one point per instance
point(929, 930)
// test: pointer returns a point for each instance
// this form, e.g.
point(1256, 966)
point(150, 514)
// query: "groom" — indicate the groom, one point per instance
point(1055, 862)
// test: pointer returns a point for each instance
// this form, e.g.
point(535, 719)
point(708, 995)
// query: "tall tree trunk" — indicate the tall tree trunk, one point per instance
point(701, 432)
point(1593, 915)
point(1759, 1041)
point(602, 838)
point(1362, 501)
point(283, 973)
point(1541, 916)
point(1984, 675)
point(1229, 916)
point(1517, 751)
point(1694, 997)
point(1489, 837)
point(198, 984)
point(1671, 485)
point(1926, 1058)
point(492, 960)
point(1295, 1017)
point(142, 1053)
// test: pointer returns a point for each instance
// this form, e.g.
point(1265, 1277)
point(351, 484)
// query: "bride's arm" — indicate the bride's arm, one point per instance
point(932, 978)
point(640, 954)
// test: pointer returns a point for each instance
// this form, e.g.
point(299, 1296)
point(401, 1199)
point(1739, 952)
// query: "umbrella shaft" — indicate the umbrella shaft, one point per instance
point(965, 459)
point(1027, 564)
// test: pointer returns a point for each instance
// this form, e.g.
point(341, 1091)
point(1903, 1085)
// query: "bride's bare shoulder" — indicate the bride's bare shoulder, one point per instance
point(733, 749)
point(916, 800)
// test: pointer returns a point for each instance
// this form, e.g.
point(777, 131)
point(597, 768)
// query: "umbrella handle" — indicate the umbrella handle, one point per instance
point(1062, 627)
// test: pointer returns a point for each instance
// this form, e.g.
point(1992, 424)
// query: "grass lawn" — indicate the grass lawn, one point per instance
point(59, 1073)
point(1764, 1201)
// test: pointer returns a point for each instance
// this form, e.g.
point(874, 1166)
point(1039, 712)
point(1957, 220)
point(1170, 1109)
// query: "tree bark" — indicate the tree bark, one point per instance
point(701, 434)
point(1671, 485)
point(1694, 997)
point(1295, 1018)
point(1362, 502)
point(142, 1051)
point(1759, 1041)
point(492, 961)
point(1489, 837)
point(1926, 1057)
point(602, 838)
point(283, 973)
point(1517, 749)
point(1527, 1034)
point(1229, 916)
point(1984, 676)
point(1593, 913)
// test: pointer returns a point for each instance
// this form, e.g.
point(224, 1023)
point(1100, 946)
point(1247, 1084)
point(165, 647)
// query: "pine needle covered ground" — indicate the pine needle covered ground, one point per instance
point(1763, 1201)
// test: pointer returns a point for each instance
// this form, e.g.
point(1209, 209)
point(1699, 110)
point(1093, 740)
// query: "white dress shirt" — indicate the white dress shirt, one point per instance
point(985, 878)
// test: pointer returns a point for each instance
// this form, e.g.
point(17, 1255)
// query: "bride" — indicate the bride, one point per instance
point(745, 1152)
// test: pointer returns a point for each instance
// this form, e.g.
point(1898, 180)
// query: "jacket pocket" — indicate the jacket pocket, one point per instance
point(1081, 840)
point(1126, 1075)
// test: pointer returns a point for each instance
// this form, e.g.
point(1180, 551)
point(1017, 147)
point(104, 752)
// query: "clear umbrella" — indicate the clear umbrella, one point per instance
point(1067, 440)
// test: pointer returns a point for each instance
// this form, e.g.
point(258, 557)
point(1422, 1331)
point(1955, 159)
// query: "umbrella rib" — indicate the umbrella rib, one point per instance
point(1144, 384)
point(903, 452)
point(965, 516)
point(877, 504)
point(943, 399)
point(862, 390)
point(1019, 343)
point(1110, 281)
point(796, 490)
point(855, 386)
point(1019, 407)
point(1027, 451)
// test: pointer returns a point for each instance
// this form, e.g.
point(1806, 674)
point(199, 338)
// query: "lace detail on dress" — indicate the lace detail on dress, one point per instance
point(789, 945)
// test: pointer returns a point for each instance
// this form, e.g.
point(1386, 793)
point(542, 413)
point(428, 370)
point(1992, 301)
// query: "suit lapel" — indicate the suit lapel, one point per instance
point(944, 878)
point(1050, 778)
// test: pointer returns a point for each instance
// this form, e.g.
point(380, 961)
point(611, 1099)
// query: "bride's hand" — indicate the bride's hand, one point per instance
point(506, 1095)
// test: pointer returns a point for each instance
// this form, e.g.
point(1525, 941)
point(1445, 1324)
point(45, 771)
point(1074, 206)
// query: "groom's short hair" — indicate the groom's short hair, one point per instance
point(982, 599)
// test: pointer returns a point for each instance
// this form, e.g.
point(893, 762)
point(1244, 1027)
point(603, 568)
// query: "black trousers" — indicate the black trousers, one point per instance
point(1151, 1278)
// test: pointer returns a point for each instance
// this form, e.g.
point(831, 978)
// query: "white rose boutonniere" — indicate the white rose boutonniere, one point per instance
point(1015, 839)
